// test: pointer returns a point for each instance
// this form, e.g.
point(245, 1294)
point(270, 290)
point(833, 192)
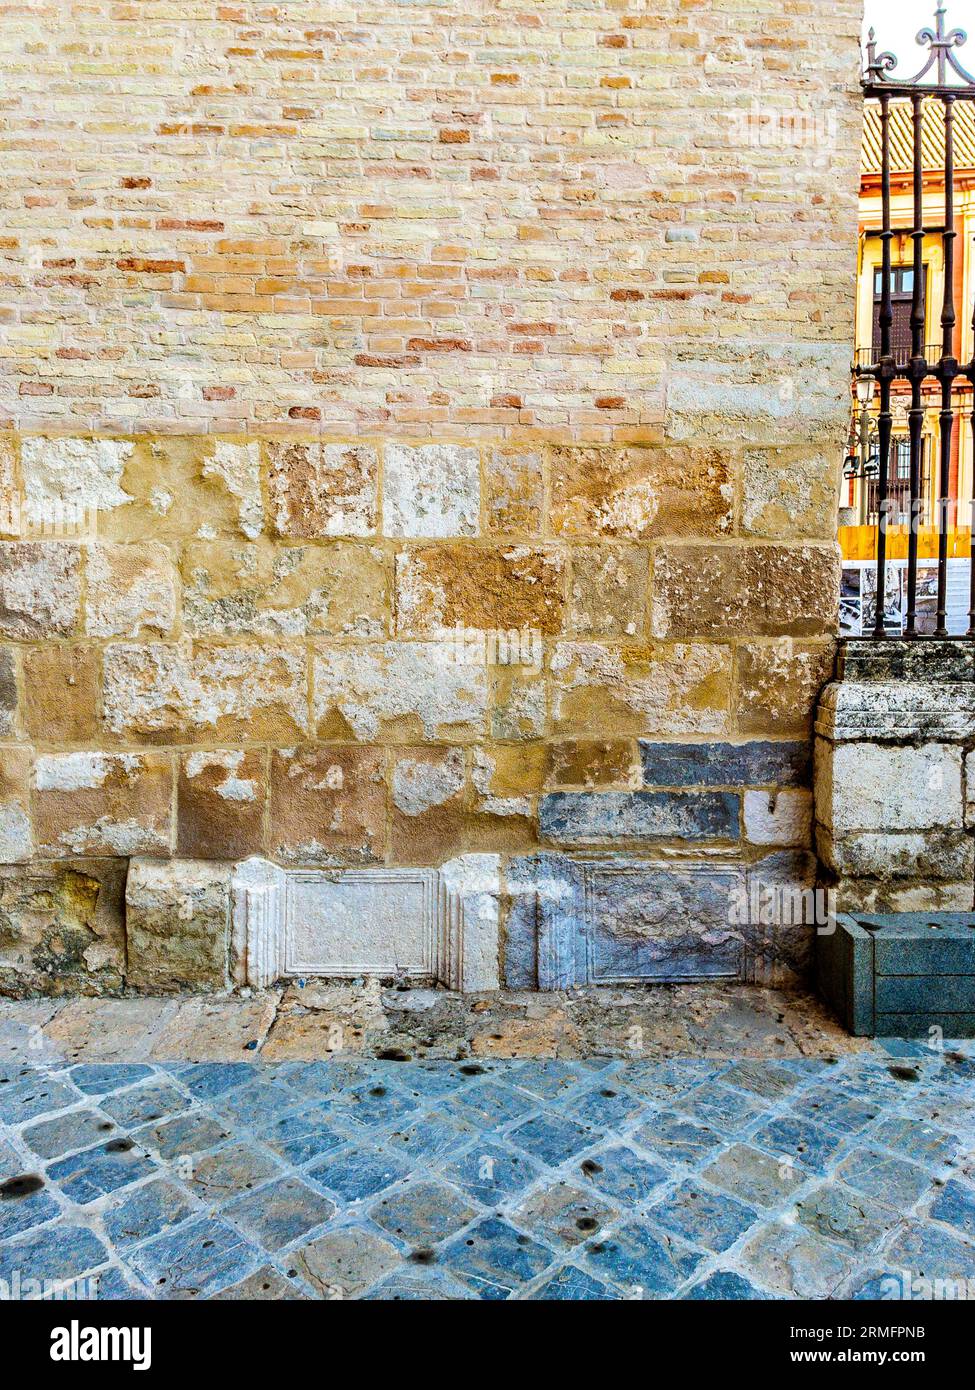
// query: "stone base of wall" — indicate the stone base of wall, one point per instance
point(894, 762)
point(545, 921)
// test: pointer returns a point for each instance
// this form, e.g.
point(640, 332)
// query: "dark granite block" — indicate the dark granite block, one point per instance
point(758, 763)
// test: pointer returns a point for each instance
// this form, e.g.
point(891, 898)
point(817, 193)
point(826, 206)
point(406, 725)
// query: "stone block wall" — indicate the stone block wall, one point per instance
point(418, 438)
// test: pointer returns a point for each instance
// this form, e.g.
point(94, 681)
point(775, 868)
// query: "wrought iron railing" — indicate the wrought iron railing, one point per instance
point(945, 81)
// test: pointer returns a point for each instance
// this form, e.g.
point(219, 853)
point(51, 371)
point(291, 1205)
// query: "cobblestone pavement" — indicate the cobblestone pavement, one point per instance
point(675, 1177)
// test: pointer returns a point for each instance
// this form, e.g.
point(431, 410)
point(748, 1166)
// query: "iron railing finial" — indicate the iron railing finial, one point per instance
point(942, 57)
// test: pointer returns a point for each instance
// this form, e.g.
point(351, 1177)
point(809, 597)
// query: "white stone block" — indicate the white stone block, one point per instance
point(778, 817)
point(431, 490)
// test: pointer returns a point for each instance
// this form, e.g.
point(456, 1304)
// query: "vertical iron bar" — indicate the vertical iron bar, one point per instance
point(885, 420)
point(917, 369)
point(946, 371)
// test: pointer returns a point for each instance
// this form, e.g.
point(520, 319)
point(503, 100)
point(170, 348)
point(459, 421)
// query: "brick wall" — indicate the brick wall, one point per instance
point(343, 336)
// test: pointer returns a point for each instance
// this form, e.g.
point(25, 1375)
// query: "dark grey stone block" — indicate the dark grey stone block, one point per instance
point(758, 763)
point(608, 817)
point(954, 994)
point(951, 660)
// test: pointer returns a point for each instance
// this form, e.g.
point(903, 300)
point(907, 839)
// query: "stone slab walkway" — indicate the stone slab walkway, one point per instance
point(784, 1174)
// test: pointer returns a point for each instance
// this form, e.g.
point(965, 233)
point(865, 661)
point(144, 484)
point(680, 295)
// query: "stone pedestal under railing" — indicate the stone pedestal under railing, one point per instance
point(895, 776)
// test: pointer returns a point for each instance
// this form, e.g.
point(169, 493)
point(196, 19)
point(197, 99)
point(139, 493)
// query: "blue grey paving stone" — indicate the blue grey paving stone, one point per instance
point(836, 1110)
point(603, 817)
point(893, 1182)
point(676, 1139)
point(643, 1262)
point(724, 1285)
point(491, 1171)
point(222, 1175)
point(703, 1217)
point(431, 1079)
point(665, 1081)
point(36, 1256)
point(721, 1107)
point(766, 1079)
point(494, 1259)
point(303, 1136)
point(930, 1252)
point(86, 1176)
point(353, 1175)
point(422, 1213)
point(569, 1284)
point(320, 1080)
point(142, 1105)
point(77, 1129)
point(551, 1138)
point(281, 1213)
point(409, 1285)
point(874, 1285)
point(489, 1105)
point(955, 1206)
point(623, 1174)
point(100, 1078)
point(19, 1214)
point(804, 1143)
point(757, 763)
point(549, 1080)
point(791, 1261)
point(923, 1143)
point(120, 1285)
point(607, 1105)
point(837, 1213)
point(10, 1161)
point(34, 1095)
point(198, 1256)
point(208, 1079)
point(344, 1262)
point(254, 1103)
point(431, 1137)
point(563, 1214)
point(371, 1106)
point(147, 1211)
point(753, 1176)
point(187, 1134)
point(265, 1285)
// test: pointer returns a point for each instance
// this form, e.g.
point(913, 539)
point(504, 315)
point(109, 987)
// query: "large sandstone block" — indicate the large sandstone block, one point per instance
point(177, 925)
point(608, 591)
point(171, 488)
point(265, 590)
point(8, 691)
point(401, 692)
point(639, 493)
point(609, 690)
point(428, 804)
point(86, 473)
point(204, 693)
point(441, 588)
point(882, 787)
point(328, 805)
point(514, 491)
point(221, 803)
point(321, 489)
point(759, 590)
point(16, 835)
point(431, 490)
point(40, 589)
point(62, 689)
point(778, 683)
point(62, 927)
point(789, 493)
point(103, 803)
point(130, 590)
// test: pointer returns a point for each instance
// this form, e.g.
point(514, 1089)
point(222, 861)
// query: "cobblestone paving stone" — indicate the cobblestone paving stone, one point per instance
point(686, 1177)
